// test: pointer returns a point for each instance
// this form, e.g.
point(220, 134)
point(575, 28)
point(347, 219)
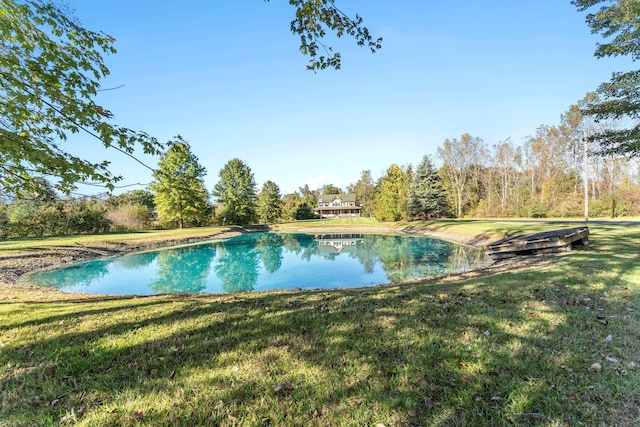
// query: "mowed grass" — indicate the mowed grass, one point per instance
point(13, 246)
point(517, 348)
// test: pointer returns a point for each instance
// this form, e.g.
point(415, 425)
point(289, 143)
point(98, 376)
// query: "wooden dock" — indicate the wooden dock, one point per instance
point(529, 244)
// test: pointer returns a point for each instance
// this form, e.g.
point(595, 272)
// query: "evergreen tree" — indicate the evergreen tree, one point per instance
point(269, 203)
point(236, 192)
point(427, 199)
point(304, 211)
point(181, 196)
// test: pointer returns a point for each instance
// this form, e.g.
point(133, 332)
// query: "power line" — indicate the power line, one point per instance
point(97, 184)
point(74, 122)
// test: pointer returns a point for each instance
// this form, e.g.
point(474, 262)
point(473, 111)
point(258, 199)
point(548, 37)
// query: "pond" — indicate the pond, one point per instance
point(267, 261)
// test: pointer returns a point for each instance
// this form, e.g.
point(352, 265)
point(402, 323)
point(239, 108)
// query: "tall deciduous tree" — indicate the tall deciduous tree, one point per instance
point(364, 189)
point(290, 203)
point(50, 72)
point(330, 189)
point(269, 203)
point(508, 164)
point(427, 198)
point(236, 192)
point(308, 196)
point(134, 197)
point(552, 163)
point(390, 200)
point(459, 157)
point(618, 21)
point(181, 196)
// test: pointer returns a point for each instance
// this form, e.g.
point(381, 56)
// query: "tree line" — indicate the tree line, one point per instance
point(543, 177)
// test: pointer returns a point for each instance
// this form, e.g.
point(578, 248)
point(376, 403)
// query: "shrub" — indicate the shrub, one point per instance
point(569, 206)
point(630, 199)
point(538, 211)
point(4, 222)
point(599, 208)
point(86, 216)
point(129, 217)
point(305, 212)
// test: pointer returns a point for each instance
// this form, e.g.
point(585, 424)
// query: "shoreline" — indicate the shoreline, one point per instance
point(14, 268)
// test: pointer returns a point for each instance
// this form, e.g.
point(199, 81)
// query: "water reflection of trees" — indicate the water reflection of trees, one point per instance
point(269, 246)
point(393, 252)
point(404, 258)
point(238, 265)
point(135, 261)
point(366, 255)
point(300, 244)
point(80, 275)
point(292, 243)
point(401, 257)
point(183, 269)
point(466, 259)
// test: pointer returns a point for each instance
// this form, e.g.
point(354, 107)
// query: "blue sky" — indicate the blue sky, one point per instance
point(227, 75)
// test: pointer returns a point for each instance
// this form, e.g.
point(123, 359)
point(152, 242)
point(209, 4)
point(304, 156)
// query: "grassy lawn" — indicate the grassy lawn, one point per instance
point(9, 247)
point(517, 348)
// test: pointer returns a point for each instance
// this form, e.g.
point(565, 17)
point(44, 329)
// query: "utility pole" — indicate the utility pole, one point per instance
point(586, 176)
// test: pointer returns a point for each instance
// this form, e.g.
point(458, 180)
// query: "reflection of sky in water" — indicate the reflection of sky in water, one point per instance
point(266, 261)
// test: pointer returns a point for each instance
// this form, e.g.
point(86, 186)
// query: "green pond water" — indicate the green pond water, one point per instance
point(267, 261)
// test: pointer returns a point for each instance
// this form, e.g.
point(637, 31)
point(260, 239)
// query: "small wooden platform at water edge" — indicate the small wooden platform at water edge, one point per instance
point(529, 244)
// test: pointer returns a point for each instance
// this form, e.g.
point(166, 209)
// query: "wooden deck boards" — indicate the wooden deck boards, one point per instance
point(528, 244)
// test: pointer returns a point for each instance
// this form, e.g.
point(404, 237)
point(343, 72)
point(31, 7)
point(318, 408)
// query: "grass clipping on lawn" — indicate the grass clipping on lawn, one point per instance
point(556, 345)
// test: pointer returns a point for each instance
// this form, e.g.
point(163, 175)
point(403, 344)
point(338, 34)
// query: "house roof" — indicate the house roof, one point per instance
point(338, 208)
point(326, 198)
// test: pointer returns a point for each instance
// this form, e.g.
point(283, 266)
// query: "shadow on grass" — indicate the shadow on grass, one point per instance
point(509, 349)
point(71, 312)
